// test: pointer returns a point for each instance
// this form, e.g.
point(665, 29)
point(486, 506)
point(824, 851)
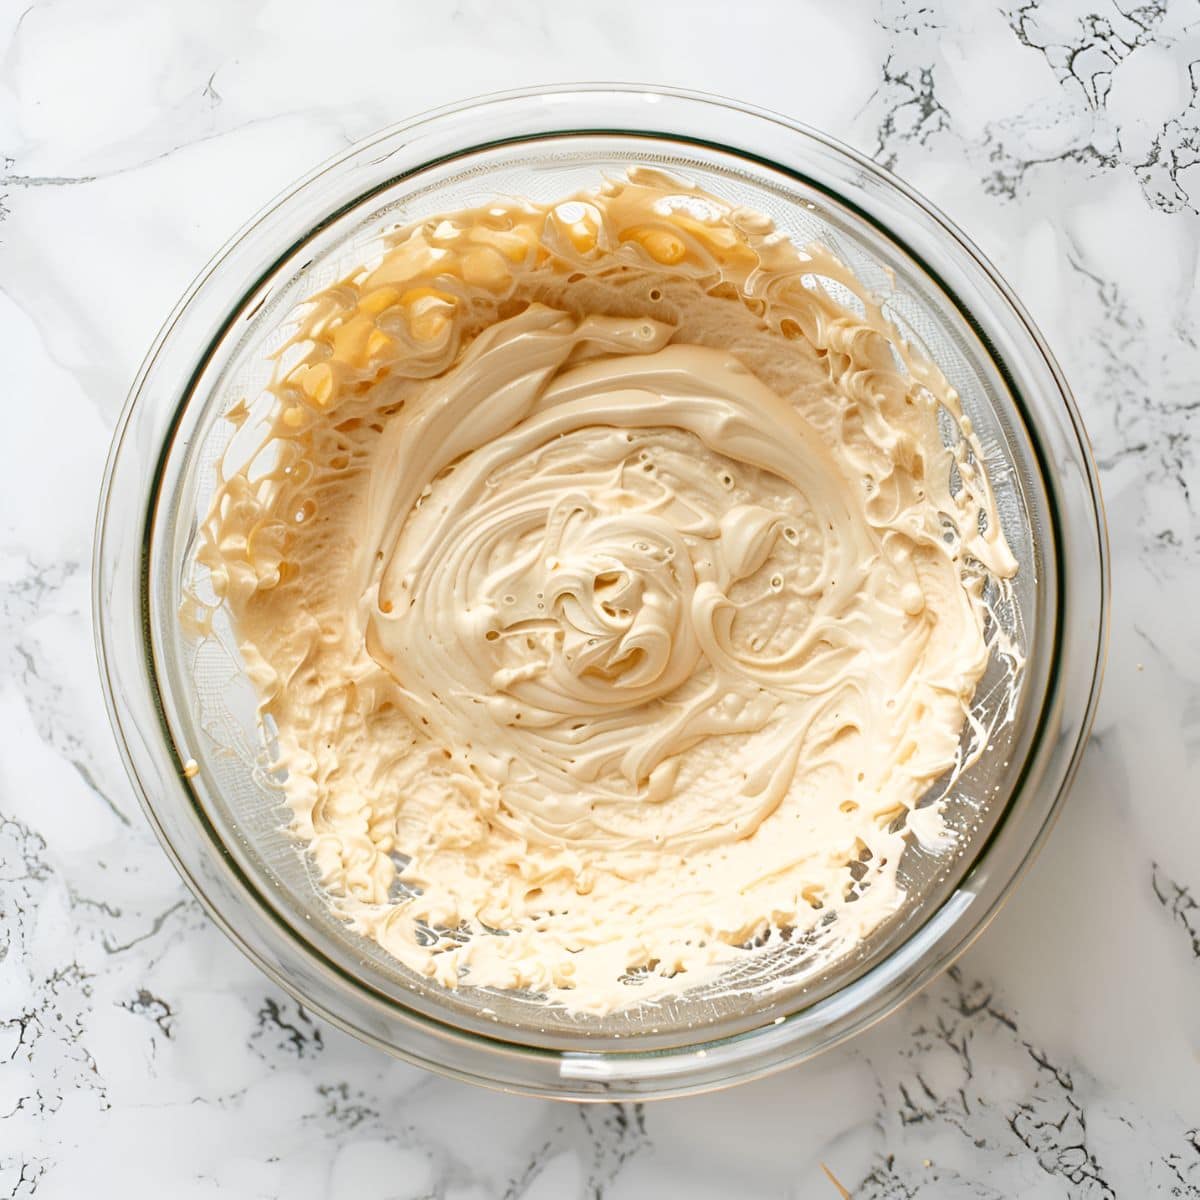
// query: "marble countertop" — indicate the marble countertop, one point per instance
point(141, 1055)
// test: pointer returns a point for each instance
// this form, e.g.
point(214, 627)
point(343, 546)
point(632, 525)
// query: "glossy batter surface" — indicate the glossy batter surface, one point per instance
point(613, 575)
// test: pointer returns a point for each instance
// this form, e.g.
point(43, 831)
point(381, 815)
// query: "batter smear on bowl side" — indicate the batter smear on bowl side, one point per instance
point(613, 575)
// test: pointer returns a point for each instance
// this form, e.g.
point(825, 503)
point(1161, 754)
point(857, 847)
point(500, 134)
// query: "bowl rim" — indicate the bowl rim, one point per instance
point(603, 1074)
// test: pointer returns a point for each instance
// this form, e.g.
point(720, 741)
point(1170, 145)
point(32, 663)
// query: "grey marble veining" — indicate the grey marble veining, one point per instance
point(141, 1055)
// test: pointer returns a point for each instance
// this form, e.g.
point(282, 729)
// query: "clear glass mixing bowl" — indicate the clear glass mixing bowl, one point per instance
point(184, 713)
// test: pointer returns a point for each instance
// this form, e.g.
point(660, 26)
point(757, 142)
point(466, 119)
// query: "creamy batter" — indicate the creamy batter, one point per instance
point(612, 573)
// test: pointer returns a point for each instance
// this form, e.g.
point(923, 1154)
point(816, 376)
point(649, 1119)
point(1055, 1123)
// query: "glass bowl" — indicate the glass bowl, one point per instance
point(184, 713)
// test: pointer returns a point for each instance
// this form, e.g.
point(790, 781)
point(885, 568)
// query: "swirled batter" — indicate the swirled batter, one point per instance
point(614, 590)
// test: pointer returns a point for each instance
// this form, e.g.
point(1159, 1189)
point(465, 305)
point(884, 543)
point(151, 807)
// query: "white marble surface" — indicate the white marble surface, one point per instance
point(141, 1055)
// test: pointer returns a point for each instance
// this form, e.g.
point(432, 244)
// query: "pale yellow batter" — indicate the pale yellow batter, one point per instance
point(613, 592)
